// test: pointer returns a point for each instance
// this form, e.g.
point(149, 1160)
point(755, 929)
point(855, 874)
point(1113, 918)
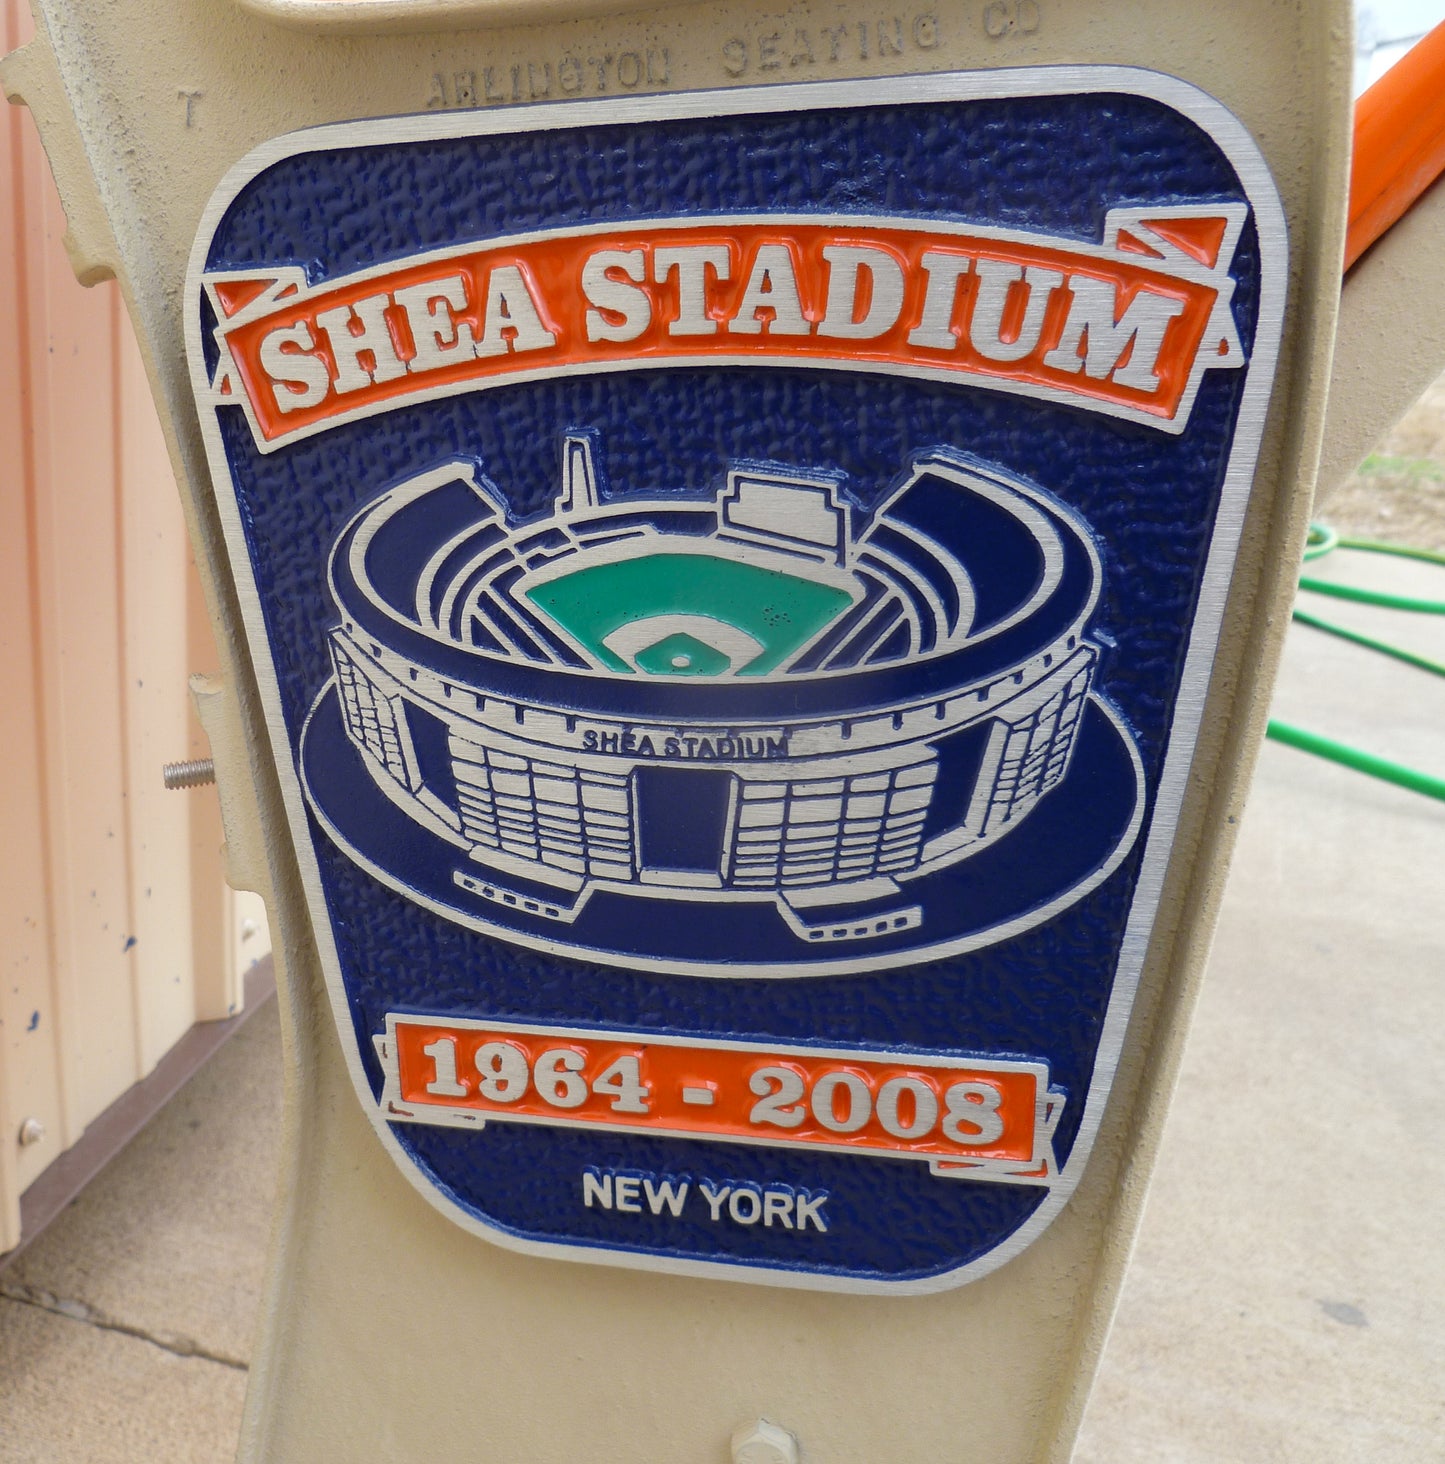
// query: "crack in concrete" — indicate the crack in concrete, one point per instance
point(80, 1311)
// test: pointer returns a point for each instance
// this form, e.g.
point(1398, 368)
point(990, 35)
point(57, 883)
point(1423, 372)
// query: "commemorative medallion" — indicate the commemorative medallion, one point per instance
point(733, 579)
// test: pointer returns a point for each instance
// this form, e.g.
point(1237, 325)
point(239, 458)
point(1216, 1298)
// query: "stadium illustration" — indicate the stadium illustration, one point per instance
point(617, 724)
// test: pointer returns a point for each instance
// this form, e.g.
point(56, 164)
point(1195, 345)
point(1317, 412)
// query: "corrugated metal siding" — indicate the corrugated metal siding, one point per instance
point(119, 933)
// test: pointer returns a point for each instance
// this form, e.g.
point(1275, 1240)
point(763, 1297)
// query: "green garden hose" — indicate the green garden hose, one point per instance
point(1353, 757)
point(1385, 648)
point(1323, 539)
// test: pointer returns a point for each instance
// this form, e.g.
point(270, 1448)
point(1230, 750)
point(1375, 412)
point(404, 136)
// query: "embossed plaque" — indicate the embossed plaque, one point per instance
point(733, 579)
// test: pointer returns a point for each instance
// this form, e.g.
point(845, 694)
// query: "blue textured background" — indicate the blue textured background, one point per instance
point(1049, 165)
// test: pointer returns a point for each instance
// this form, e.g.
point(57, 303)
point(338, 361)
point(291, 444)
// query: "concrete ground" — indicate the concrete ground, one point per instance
point(1287, 1297)
point(1286, 1301)
point(126, 1327)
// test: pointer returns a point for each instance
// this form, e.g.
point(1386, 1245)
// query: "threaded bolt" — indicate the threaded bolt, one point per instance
point(195, 774)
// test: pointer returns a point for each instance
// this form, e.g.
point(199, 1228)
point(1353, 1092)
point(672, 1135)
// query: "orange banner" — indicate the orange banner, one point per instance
point(984, 1119)
point(1126, 330)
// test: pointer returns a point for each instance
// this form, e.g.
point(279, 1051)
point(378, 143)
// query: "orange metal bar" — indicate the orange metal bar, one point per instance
point(1399, 142)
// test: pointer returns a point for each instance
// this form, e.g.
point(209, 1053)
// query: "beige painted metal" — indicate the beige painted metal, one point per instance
point(1391, 338)
point(390, 1334)
point(351, 16)
point(119, 931)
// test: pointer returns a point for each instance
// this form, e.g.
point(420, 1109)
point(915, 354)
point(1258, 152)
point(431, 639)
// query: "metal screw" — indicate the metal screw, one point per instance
point(762, 1442)
point(189, 774)
point(31, 1132)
